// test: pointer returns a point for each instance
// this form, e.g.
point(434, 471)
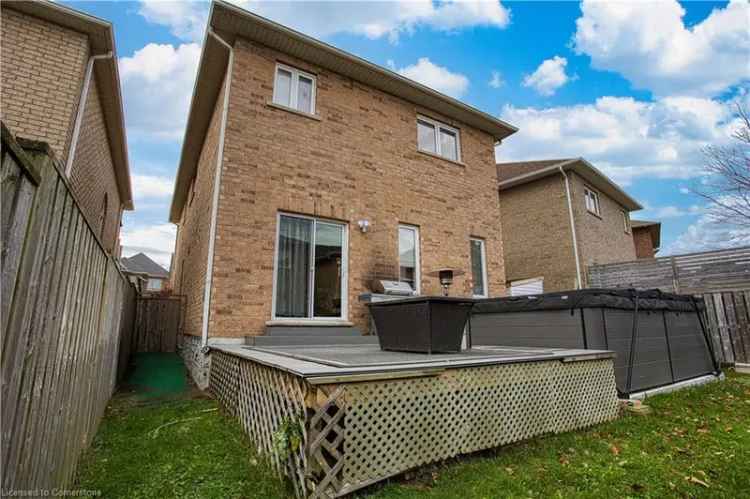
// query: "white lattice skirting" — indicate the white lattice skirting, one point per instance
point(355, 434)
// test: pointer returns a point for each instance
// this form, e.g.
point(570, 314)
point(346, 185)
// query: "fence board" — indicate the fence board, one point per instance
point(157, 324)
point(66, 310)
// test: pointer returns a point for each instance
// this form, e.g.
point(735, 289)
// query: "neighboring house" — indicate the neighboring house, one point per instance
point(646, 237)
point(146, 274)
point(307, 172)
point(543, 204)
point(60, 85)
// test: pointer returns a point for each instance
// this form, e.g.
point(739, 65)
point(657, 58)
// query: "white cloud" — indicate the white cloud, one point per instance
point(151, 186)
point(649, 44)
point(669, 211)
point(549, 76)
point(157, 84)
point(624, 137)
point(373, 19)
point(186, 19)
point(157, 241)
point(436, 77)
point(497, 80)
point(706, 234)
point(684, 190)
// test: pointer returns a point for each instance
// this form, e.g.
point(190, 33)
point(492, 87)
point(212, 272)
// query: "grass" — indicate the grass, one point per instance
point(695, 443)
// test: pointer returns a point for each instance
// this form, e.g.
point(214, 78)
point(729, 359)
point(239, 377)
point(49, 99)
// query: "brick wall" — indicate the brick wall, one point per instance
point(358, 161)
point(536, 233)
point(42, 72)
point(43, 68)
point(644, 245)
point(601, 239)
point(188, 275)
point(93, 176)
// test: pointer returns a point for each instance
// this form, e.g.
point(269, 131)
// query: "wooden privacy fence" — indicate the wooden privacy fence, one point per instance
point(721, 277)
point(65, 309)
point(157, 324)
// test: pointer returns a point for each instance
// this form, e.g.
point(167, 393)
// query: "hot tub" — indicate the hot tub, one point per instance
point(659, 338)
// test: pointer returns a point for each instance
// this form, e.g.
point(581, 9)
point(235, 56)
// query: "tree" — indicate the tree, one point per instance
point(726, 185)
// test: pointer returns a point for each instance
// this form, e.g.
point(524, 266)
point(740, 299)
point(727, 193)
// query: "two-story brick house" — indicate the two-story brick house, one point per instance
point(306, 172)
point(558, 217)
point(60, 85)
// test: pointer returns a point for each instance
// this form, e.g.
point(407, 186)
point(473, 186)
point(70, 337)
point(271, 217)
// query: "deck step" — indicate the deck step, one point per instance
point(289, 340)
point(312, 331)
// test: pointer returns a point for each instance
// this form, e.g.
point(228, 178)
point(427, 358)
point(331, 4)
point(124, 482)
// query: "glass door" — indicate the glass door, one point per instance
point(311, 267)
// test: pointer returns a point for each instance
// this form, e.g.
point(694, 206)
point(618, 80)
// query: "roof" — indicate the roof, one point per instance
point(140, 263)
point(518, 173)
point(101, 39)
point(654, 229)
point(232, 22)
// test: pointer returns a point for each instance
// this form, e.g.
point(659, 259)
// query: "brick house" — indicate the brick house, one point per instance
point(558, 217)
point(60, 85)
point(647, 238)
point(147, 275)
point(306, 172)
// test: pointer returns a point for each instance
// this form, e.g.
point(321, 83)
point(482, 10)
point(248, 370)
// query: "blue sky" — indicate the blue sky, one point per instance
point(637, 88)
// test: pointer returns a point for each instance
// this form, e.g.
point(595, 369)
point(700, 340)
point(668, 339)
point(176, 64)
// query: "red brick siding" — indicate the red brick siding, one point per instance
point(644, 245)
point(359, 161)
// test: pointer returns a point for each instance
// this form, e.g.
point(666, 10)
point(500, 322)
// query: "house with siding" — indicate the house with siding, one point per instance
point(60, 85)
point(307, 172)
point(147, 275)
point(559, 216)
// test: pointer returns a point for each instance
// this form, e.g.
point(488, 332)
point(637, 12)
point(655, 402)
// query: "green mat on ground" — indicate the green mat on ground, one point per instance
point(157, 375)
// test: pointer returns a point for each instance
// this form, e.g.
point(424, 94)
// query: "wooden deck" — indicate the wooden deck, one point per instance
point(359, 415)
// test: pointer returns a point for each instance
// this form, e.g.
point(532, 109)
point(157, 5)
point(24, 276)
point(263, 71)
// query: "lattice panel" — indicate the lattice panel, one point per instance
point(223, 380)
point(355, 434)
point(391, 426)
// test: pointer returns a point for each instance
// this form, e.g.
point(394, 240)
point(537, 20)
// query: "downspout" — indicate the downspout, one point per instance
point(572, 228)
point(217, 185)
point(81, 107)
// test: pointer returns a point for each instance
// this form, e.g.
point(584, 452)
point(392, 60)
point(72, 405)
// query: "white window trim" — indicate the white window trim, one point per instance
point(437, 125)
point(311, 280)
point(417, 256)
point(293, 87)
point(485, 290)
point(626, 221)
point(588, 191)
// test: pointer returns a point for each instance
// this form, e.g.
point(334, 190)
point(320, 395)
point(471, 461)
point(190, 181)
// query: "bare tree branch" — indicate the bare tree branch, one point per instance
point(726, 181)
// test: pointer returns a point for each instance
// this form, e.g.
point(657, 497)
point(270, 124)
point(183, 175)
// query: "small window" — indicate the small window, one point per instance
point(154, 284)
point(478, 268)
point(626, 221)
point(592, 201)
point(294, 89)
point(438, 138)
point(408, 256)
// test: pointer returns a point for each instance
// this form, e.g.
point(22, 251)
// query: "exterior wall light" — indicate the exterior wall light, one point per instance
point(364, 226)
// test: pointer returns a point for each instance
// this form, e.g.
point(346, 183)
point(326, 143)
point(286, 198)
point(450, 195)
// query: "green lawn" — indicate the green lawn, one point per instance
point(695, 443)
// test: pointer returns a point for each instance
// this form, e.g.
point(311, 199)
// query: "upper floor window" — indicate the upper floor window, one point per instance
point(438, 138)
point(626, 221)
point(294, 89)
point(592, 200)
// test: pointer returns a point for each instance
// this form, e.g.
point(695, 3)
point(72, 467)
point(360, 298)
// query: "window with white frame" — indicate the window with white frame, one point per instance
point(625, 221)
point(438, 138)
point(592, 200)
point(310, 269)
point(154, 284)
point(478, 267)
point(294, 89)
point(408, 256)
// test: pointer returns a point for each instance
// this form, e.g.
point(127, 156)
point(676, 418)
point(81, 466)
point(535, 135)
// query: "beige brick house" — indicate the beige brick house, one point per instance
point(60, 85)
point(558, 217)
point(307, 172)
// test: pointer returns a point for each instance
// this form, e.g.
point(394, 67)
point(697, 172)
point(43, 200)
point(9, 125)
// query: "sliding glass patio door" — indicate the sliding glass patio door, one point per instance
point(311, 266)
